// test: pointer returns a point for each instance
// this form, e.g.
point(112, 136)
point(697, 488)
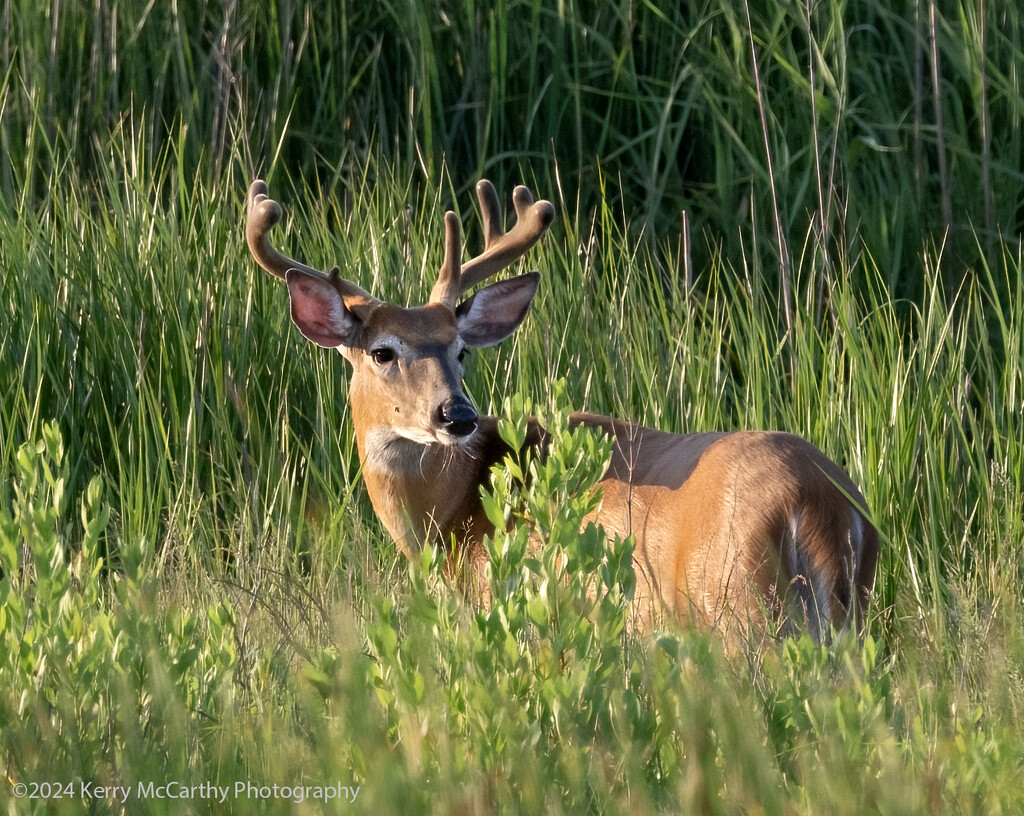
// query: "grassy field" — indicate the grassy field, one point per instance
point(795, 216)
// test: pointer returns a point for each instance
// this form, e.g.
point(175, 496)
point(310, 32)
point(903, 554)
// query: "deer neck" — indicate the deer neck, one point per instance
point(425, 493)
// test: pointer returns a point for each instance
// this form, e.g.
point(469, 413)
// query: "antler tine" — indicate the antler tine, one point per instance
point(263, 214)
point(502, 248)
point(447, 289)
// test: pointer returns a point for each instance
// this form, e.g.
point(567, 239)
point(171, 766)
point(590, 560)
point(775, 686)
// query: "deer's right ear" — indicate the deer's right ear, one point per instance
point(319, 310)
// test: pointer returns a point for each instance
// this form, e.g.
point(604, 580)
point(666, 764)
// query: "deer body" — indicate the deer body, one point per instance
point(726, 525)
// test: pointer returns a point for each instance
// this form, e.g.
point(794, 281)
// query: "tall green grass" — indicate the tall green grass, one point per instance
point(193, 584)
point(838, 119)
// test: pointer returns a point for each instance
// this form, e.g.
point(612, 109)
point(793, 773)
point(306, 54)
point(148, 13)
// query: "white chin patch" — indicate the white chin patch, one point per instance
point(446, 438)
point(438, 436)
point(417, 435)
point(394, 441)
point(404, 449)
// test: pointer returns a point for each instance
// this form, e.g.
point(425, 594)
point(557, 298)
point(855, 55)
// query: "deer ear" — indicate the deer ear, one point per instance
point(319, 311)
point(495, 311)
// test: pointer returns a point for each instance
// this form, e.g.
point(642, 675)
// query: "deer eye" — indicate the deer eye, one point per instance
point(383, 355)
point(463, 353)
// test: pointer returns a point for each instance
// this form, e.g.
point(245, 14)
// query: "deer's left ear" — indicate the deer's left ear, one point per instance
point(495, 311)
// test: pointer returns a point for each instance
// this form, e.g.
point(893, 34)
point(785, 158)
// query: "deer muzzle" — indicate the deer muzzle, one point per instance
point(456, 417)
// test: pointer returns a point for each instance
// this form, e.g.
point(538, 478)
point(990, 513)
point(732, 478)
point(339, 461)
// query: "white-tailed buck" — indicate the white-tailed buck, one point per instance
point(727, 525)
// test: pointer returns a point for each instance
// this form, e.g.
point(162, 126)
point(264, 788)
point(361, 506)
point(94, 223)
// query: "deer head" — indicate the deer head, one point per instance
point(407, 362)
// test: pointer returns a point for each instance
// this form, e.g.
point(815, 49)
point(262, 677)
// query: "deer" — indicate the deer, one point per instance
point(729, 528)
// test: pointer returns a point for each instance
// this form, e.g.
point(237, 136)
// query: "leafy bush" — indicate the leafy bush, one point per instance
point(101, 686)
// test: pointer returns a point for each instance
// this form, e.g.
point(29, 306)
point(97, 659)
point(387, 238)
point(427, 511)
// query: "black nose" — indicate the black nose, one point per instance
point(457, 417)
